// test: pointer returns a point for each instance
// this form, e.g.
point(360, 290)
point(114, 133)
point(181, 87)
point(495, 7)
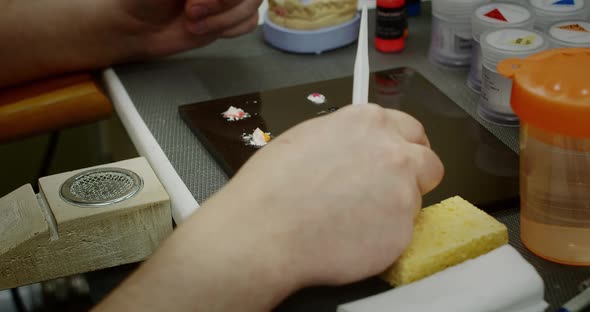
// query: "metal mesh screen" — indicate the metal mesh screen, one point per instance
point(101, 186)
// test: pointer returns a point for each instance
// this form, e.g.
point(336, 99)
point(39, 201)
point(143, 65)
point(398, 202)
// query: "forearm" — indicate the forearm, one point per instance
point(45, 37)
point(207, 266)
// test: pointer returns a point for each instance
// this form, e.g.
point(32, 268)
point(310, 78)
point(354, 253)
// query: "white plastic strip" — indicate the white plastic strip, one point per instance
point(370, 4)
point(183, 202)
point(360, 85)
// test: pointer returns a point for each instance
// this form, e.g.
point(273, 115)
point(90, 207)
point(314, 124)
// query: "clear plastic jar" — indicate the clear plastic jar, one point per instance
point(551, 95)
point(555, 192)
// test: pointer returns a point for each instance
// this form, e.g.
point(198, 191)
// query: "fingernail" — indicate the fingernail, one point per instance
point(198, 28)
point(197, 11)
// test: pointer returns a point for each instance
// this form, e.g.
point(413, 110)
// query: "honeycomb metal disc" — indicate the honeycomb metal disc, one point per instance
point(101, 187)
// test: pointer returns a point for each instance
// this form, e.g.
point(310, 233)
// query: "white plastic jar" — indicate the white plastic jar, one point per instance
point(569, 34)
point(549, 12)
point(494, 16)
point(451, 41)
point(497, 45)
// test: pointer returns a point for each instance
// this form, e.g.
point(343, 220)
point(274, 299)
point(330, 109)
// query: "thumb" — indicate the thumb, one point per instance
point(199, 9)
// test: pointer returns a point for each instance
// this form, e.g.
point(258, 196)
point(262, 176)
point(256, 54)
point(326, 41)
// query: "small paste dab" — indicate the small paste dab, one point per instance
point(317, 98)
point(234, 113)
point(328, 111)
point(258, 138)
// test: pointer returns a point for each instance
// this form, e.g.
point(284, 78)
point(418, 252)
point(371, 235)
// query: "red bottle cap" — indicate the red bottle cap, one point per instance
point(390, 45)
point(391, 4)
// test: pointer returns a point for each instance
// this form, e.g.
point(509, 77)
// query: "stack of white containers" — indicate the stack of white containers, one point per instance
point(494, 16)
point(451, 42)
point(499, 30)
point(481, 33)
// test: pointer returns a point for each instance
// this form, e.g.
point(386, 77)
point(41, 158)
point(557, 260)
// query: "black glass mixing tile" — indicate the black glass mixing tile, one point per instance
point(478, 166)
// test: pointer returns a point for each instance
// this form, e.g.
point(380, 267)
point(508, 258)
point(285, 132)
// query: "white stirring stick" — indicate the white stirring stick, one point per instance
point(360, 85)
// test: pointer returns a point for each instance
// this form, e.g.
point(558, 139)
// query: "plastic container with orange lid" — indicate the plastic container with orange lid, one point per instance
point(551, 96)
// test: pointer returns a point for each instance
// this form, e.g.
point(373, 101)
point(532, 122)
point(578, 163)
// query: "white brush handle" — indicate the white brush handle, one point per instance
point(360, 87)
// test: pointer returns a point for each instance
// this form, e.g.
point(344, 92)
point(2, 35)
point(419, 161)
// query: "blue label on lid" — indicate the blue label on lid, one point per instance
point(564, 2)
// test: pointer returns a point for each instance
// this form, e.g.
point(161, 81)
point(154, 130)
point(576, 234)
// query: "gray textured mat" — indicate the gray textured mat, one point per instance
point(244, 65)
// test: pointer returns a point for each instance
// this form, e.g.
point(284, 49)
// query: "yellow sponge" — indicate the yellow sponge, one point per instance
point(446, 234)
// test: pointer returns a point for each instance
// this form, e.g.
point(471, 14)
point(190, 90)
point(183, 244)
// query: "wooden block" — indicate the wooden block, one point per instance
point(21, 221)
point(74, 239)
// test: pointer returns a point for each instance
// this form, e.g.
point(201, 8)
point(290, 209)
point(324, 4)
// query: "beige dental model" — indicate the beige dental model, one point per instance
point(311, 14)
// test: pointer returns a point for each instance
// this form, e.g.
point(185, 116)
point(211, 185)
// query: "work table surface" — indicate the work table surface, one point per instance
point(246, 64)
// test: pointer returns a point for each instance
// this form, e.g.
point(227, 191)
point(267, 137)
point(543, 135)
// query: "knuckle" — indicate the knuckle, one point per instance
point(419, 131)
point(415, 129)
point(252, 6)
point(253, 23)
point(433, 162)
point(409, 198)
point(390, 155)
point(440, 169)
point(215, 24)
point(374, 115)
point(373, 109)
point(399, 158)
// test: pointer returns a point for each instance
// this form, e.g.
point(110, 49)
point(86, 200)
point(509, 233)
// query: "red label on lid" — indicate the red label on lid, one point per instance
point(496, 14)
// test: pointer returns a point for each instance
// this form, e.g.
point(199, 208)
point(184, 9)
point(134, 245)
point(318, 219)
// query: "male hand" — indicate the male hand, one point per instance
point(330, 201)
point(334, 197)
point(162, 27)
point(92, 34)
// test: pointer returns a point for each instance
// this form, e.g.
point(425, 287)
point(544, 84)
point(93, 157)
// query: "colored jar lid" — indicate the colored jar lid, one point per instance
point(500, 15)
point(457, 11)
point(500, 44)
point(392, 4)
point(570, 34)
point(391, 45)
point(551, 90)
point(558, 6)
point(503, 13)
point(513, 40)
